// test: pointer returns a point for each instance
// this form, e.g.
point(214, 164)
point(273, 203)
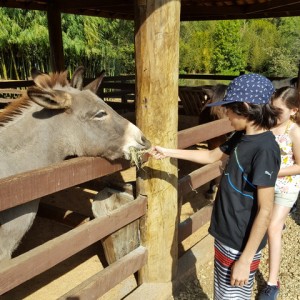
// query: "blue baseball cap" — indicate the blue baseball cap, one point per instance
point(250, 88)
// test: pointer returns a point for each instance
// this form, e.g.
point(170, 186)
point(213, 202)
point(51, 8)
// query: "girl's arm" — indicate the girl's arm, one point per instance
point(201, 156)
point(295, 169)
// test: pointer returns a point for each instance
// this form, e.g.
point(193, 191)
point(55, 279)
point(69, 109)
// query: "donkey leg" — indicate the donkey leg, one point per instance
point(14, 223)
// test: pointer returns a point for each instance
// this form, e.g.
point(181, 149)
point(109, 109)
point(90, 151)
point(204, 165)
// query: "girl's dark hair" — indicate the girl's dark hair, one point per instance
point(290, 97)
point(264, 116)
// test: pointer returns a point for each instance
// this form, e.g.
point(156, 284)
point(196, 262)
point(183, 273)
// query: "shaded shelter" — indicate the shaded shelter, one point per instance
point(157, 24)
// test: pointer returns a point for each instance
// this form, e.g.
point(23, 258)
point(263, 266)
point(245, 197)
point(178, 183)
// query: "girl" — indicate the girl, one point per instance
point(287, 134)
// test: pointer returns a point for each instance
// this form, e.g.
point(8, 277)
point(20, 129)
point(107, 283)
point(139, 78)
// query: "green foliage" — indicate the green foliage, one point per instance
point(196, 46)
point(228, 51)
point(23, 37)
point(96, 43)
point(99, 44)
point(268, 46)
point(289, 30)
point(260, 37)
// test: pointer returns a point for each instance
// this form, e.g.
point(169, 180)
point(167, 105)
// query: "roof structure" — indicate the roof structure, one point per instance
point(191, 10)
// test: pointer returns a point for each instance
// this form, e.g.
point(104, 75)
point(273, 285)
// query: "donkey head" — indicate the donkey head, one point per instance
point(84, 122)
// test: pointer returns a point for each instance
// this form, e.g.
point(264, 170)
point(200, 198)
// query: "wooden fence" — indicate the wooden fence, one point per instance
point(112, 87)
point(15, 190)
point(25, 187)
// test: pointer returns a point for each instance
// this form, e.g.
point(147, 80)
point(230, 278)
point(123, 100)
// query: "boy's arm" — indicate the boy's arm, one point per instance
point(201, 156)
point(241, 268)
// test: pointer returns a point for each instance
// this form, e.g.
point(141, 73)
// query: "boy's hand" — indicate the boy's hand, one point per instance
point(157, 152)
point(240, 273)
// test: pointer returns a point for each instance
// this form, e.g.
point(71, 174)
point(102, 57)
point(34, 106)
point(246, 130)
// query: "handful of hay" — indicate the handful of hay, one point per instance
point(136, 156)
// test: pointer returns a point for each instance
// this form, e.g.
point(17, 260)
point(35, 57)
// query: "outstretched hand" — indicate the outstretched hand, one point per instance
point(158, 152)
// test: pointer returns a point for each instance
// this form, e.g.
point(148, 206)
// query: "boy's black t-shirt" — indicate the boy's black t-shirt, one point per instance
point(254, 161)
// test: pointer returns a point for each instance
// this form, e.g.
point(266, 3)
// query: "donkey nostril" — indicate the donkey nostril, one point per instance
point(145, 142)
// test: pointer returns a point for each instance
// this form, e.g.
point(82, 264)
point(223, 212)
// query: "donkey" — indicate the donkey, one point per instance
point(53, 120)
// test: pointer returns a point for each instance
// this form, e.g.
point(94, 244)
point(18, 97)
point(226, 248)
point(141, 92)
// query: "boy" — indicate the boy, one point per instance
point(244, 201)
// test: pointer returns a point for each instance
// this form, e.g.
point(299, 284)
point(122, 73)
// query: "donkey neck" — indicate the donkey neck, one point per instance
point(30, 141)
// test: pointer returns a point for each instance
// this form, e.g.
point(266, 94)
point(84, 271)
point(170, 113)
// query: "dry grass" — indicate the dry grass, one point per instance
point(136, 156)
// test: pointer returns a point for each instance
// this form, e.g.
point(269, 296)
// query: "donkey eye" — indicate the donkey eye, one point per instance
point(100, 114)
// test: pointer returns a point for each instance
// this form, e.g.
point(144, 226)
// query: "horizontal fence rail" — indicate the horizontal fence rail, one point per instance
point(24, 187)
point(102, 282)
point(9, 84)
point(199, 177)
point(193, 223)
point(204, 132)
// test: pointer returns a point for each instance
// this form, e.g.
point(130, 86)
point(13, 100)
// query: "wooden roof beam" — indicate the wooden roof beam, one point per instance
point(106, 5)
point(30, 5)
point(292, 8)
point(274, 5)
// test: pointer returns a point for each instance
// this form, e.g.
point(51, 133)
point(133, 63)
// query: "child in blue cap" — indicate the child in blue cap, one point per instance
point(244, 201)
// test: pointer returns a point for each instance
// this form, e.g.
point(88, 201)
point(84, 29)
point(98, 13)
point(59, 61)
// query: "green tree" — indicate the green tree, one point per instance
point(228, 54)
point(98, 44)
point(260, 36)
point(196, 47)
point(23, 42)
point(285, 58)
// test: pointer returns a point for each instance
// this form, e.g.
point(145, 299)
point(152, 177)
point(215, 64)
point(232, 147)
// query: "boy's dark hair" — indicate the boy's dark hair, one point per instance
point(264, 116)
point(291, 98)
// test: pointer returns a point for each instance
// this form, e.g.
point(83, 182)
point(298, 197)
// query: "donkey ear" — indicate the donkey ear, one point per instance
point(94, 85)
point(35, 72)
point(208, 92)
point(52, 100)
point(77, 78)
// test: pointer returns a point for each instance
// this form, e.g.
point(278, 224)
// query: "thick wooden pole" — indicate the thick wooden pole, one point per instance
point(157, 59)
point(55, 38)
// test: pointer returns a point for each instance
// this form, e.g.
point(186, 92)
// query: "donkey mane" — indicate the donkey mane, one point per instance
point(43, 81)
point(14, 109)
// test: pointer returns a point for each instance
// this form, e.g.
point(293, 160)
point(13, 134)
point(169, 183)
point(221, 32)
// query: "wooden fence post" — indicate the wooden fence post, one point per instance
point(55, 38)
point(157, 58)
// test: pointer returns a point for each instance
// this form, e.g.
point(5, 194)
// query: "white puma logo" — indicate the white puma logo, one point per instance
point(268, 173)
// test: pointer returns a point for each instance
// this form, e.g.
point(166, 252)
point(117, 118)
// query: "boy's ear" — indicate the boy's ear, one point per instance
point(246, 105)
